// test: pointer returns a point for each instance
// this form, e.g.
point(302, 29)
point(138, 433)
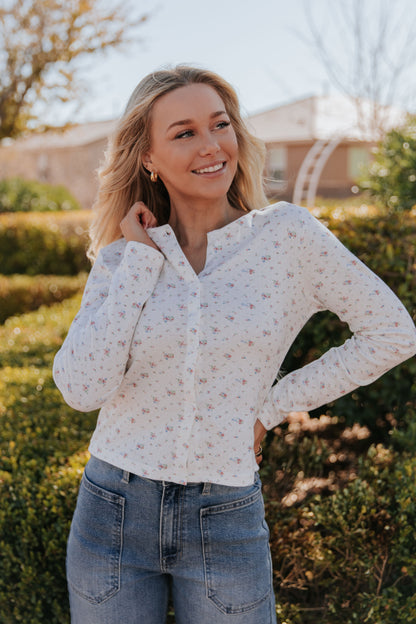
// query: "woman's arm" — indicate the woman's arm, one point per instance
point(384, 334)
point(92, 361)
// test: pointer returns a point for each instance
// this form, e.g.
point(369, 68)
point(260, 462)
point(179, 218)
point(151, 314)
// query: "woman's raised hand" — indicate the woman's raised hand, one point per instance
point(136, 222)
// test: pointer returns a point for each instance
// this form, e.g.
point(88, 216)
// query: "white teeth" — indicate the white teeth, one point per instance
point(210, 169)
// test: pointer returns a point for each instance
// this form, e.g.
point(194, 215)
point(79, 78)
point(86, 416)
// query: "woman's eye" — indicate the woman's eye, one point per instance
point(223, 124)
point(184, 135)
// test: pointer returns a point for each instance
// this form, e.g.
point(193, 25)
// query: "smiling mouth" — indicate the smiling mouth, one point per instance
point(211, 169)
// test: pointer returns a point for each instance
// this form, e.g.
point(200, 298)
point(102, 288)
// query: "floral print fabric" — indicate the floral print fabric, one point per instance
point(182, 365)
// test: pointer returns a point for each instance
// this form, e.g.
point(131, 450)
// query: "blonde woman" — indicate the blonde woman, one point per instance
point(197, 291)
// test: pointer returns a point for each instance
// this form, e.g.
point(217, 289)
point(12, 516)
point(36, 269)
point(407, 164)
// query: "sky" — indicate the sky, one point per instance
point(257, 45)
point(252, 43)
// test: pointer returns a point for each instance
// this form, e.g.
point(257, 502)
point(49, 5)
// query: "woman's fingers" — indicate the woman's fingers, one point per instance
point(148, 220)
point(259, 433)
point(141, 214)
point(136, 222)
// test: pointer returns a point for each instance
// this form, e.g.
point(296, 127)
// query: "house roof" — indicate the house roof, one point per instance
point(323, 117)
point(73, 136)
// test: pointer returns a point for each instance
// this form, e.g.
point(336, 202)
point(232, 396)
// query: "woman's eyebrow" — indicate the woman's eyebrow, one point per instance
point(185, 122)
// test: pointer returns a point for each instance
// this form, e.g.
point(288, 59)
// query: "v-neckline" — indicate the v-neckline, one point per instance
point(165, 234)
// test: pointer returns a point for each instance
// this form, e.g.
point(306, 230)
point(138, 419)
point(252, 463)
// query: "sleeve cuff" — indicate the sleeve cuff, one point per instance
point(135, 247)
point(271, 416)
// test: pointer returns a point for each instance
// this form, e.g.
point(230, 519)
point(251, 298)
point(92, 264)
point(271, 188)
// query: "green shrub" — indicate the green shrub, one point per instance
point(46, 243)
point(42, 454)
point(23, 293)
point(391, 178)
point(35, 517)
point(32, 339)
point(18, 195)
point(403, 437)
point(349, 557)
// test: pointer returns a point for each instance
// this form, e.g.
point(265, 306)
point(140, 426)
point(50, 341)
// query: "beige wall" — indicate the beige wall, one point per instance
point(74, 167)
point(334, 181)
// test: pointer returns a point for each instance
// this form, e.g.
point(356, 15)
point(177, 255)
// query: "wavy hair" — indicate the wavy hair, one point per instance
point(123, 179)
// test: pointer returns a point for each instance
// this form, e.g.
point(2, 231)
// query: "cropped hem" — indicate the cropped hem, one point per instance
point(244, 478)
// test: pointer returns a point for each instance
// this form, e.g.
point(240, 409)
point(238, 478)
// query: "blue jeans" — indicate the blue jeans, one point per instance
point(133, 540)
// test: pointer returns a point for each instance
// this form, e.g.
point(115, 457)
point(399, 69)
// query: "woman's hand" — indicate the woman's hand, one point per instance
point(136, 222)
point(259, 433)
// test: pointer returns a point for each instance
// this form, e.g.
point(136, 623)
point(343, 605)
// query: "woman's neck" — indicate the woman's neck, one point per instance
point(192, 221)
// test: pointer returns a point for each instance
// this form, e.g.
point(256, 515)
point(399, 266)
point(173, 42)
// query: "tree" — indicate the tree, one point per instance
point(40, 44)
point(368, 49)
point(391, 178)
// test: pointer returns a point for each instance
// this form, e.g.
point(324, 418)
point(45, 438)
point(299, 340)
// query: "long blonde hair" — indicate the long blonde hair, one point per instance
point(123, 178)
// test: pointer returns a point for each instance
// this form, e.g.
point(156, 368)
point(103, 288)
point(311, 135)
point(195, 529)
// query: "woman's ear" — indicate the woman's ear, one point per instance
point(147, 162)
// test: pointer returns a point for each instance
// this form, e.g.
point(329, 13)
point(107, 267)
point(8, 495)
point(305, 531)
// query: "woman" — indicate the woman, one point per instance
point(195, 296)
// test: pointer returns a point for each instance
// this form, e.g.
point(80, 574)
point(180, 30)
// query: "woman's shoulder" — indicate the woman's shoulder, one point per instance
point(284, 210)
point(284, 214)
point(111, 255)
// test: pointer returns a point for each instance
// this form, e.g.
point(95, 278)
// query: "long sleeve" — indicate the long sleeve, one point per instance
point(384, 334)
point(91, 363)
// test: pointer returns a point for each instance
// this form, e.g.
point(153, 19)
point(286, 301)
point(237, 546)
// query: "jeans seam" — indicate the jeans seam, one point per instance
point(161, 562)
point(180, 520)
point(238, 504)
point(204, 540)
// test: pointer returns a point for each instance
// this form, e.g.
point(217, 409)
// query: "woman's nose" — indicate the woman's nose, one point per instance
point(209, 145)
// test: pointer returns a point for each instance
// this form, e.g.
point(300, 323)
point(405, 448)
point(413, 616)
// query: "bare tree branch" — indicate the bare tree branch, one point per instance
point(40, 44)
point(374, 52)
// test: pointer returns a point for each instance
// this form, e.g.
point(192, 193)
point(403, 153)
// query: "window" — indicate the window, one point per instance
point(358, 158)
point(277, 164)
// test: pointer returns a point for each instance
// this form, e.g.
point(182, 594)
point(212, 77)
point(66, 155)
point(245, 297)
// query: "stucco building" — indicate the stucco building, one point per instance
point(70, 157)
point(319, 144)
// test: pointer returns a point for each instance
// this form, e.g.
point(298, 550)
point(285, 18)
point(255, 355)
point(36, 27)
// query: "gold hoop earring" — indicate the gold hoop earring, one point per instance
point(153, 176)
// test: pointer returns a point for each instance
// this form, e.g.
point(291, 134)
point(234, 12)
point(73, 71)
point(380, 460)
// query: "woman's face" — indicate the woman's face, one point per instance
point(193, 144)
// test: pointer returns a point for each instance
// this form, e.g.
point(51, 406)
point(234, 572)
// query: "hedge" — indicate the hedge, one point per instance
point(18, 195)
point(42, 454)
point(349, 557)
point(391, 177)
point(23, 293)
point(44, 243)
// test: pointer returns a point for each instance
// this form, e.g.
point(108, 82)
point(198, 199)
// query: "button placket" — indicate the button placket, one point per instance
point(165, 238)
point(193, 332)
point(220, 243)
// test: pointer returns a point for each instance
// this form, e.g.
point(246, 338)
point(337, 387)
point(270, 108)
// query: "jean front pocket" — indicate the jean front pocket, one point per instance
point(95, 543)
point(236, 554)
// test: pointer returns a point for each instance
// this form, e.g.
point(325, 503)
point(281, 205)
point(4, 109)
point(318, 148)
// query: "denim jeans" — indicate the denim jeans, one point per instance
point(134, 540)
